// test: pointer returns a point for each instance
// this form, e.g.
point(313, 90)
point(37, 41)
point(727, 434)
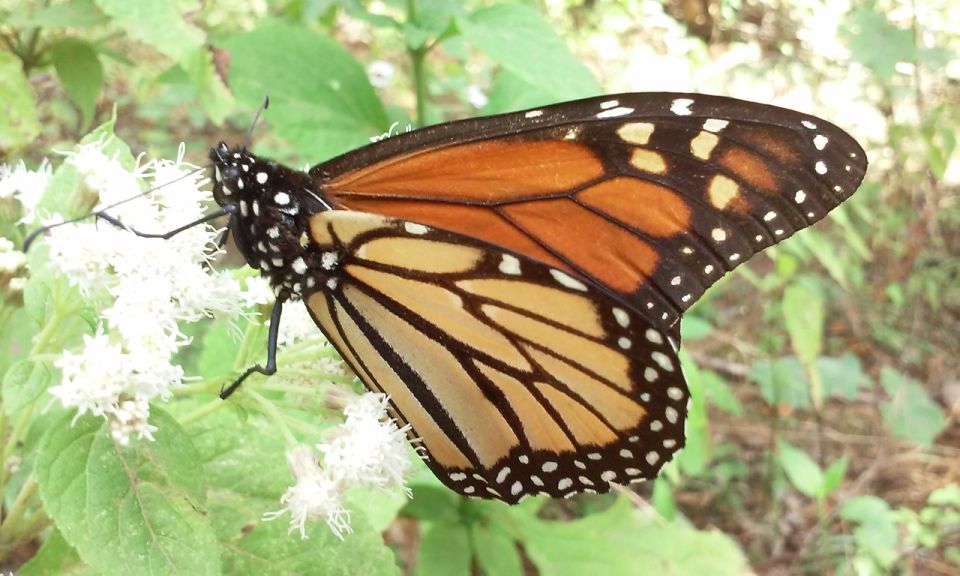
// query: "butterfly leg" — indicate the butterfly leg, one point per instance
point(228, 209)
point(271, 367)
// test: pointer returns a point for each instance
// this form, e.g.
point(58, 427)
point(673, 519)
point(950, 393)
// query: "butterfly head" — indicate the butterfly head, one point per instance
point(271, 224)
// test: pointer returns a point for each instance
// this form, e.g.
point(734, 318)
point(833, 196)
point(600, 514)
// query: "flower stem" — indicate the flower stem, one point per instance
point(17, 510)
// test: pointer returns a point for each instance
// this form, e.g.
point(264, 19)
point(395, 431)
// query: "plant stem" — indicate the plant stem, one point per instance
point(18, 509)
point(417, 57)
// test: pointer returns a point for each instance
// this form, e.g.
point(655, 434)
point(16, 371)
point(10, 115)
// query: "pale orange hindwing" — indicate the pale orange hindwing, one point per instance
point(516, 377)
point(653, 196)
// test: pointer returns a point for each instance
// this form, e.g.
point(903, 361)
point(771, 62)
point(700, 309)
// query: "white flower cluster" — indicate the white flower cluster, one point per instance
point(367, 450)
point(19, 183)
point(151, 285)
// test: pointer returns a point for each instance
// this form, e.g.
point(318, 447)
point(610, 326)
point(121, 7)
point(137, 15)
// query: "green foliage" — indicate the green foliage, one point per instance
point(909, 413)
point(19, 123)
point(618, 540)
point(81, 73)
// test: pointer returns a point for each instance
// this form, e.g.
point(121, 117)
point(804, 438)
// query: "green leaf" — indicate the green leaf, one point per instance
point(803, 315)
point(782, 382)
point(876, 43)
point(833, 476)
point(694, 328)
point(509, 93)
point(320, 101)
point(496, 552)
point(80, 72)
point(159, 23)
point(662, 499)
point(695, 456)
point(624, 540)
point(270, 548)
point(246, 473)
point(212, 93)
point(826, 254)
point(876, 534)
point(444, 550)
point(75, 14)
point(19, 124)
point(949, 495)
point(520, 40)
point(433, 503)
point(802, 471)
point(910, 413)
point(379, 507)
point(23, 383)
point(127, 510)
point(55, 556)
point(717, 392)
point(218, 354)
point(843, 376)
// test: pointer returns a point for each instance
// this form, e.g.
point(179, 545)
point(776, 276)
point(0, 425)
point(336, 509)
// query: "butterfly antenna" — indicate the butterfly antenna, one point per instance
point(256, 118)
point(44, 229)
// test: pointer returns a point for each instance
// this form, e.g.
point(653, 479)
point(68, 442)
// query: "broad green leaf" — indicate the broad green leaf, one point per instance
point(625, 541)
point(802, 471)
point(949, 495)
point(127, 510)
point(270, 548)
point(74, 14)
point(444, 550)
point(19, 124)
point(212, 93)
point(80, 72)
point(245, 469)
point(23, 383)
point(159, 23)
point(55, 556)
point(910, 413)
point(219, 351)
point(434, 503)
point(509, 93)
point(520, 40)
point(843, 376)
point(321, 101)
point(379, 507)
point(782, 382)
point(496, 552)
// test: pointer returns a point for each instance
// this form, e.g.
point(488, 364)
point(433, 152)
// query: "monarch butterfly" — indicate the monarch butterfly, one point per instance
point(515, 283)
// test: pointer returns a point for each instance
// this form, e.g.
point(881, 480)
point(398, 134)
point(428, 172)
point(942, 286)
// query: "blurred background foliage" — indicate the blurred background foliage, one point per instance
point(823, 437)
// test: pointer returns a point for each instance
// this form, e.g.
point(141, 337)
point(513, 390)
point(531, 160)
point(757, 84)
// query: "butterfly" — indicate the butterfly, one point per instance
point(515, 283)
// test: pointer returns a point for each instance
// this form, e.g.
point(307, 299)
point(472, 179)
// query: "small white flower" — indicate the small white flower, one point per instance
point(25, 185)
point(476, 96)
point(315, 495)
point(381, 73)
point(367, 450)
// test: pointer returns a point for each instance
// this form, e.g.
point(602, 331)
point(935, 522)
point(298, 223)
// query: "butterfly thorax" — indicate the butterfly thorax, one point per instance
point(271, 225)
